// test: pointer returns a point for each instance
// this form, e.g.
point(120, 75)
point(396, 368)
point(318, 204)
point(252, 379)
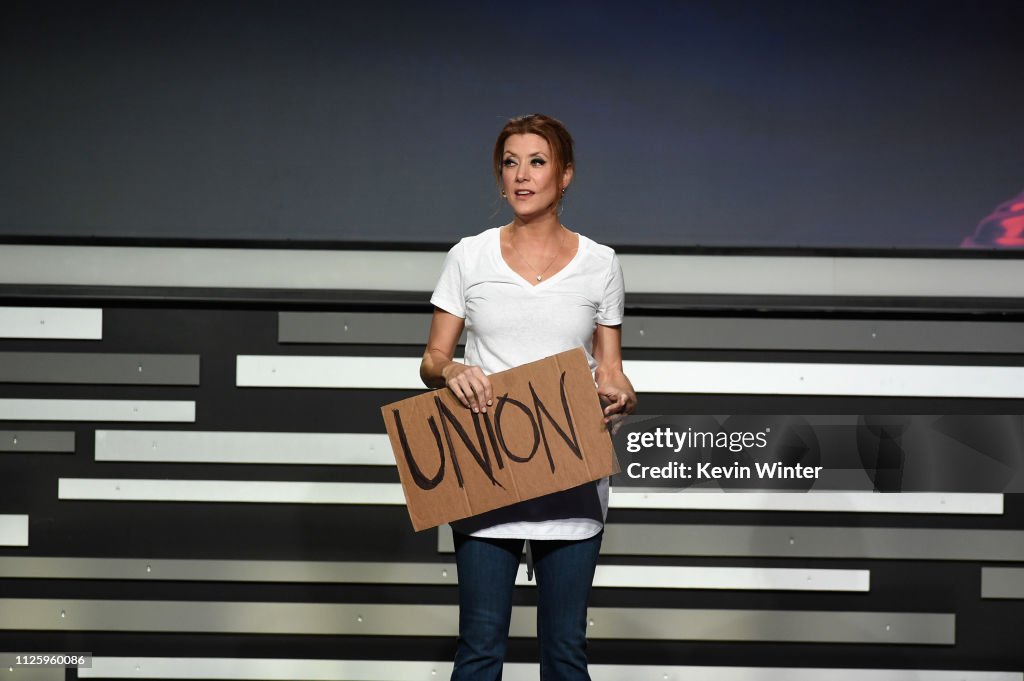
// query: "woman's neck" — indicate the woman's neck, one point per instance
point(540, 228)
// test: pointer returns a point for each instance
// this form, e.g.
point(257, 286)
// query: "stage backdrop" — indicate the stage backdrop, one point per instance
point(856, 123)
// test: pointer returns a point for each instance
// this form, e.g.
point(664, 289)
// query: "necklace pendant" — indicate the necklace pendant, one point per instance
point(538, 277)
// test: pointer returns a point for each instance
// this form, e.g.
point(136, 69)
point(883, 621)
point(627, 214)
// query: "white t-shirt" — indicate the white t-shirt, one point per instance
point(510, 322)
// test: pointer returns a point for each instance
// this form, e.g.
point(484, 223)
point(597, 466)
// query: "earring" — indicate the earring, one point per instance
point(503, 195)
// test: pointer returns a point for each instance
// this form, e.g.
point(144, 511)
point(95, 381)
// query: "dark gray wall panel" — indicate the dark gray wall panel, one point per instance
point(875, 335)
point(100, 368)
point(353, 327)
point(752, 625)
point(36, 441)
point(8, 672)
point(1000, 582)
point(821, 542)
point(741, 333)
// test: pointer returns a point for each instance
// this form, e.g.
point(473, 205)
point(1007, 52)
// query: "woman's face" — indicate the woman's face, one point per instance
point(528, 175)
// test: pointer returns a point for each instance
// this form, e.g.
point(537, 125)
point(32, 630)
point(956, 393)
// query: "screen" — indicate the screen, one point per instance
point(847, 124)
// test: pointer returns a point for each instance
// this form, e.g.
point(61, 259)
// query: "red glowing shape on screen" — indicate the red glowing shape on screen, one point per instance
point(1003, 228)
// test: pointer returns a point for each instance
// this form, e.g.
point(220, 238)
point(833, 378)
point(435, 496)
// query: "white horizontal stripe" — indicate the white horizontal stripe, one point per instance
point(97, 410)
point(323, 572)
point(364, 449)
point(776, 378)
point(13, 530)
point(755, 378)
point(418, 270)
point(280, 371)
point(840, 502)
point(266, 669)
point(72, 323)
point(389, 494)
point(780, 579)
point(231, 491)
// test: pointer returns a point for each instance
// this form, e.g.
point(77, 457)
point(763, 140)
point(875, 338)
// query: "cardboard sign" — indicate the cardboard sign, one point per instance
point(544, 433)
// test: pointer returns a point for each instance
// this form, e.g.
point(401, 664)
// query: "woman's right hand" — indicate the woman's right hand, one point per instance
point(470, 385)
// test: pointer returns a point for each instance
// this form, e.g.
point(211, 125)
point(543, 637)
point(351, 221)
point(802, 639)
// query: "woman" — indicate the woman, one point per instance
point(525, 291)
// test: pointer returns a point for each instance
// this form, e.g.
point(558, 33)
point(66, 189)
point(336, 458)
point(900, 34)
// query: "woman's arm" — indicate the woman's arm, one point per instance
point(438, 369)
point(613, 386)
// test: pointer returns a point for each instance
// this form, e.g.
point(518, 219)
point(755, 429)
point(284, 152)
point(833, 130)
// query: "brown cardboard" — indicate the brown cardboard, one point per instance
point(544, 433)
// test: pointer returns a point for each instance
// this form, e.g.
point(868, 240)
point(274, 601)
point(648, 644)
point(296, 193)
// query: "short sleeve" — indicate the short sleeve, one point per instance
point(449, 294)
point(609, 312)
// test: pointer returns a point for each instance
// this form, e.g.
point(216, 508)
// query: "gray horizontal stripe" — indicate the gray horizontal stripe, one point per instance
point(362, 619)
point(615, 576)
point(97, 410)
point(802, 542)
point(237, 617)
point(807, 542)
point(771, 625)
point(15, 567)
point(998, 582)
point(13, 530)
point(244, 447)
point(37, 441)
point(70, 323)
point(27, 673)
point(99, 368)
point(418, 271)
point(716, 333)
point(267, 669)
point(371, 328)
point(231, 491)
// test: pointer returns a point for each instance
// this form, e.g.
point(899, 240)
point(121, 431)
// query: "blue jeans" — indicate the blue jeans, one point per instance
point(487, 574)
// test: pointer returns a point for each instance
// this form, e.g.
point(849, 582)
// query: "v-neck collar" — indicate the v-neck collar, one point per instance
point(526, 283)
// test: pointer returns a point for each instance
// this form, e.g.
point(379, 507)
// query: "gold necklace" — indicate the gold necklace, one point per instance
point(540, 274)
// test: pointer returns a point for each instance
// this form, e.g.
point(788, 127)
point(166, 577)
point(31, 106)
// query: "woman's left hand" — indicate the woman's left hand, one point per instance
point(617, 397)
